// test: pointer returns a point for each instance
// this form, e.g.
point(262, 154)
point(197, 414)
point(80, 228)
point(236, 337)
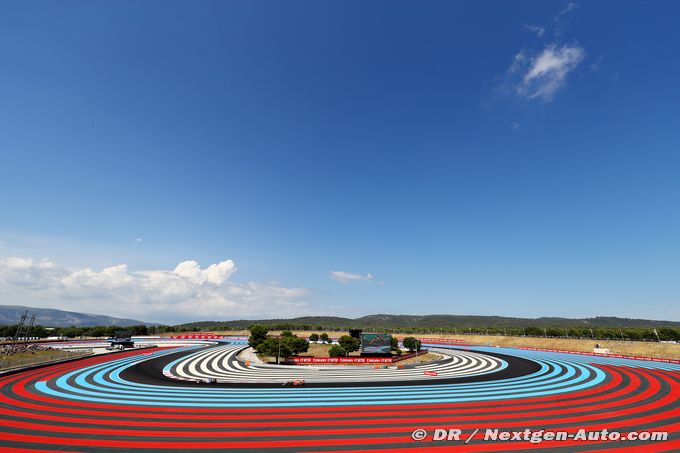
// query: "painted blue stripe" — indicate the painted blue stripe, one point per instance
point(155, 395)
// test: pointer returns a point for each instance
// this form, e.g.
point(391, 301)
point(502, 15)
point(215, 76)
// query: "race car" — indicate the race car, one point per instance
point(206, 381)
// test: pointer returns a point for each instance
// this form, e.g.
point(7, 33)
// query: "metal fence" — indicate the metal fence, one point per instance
point(8, 362)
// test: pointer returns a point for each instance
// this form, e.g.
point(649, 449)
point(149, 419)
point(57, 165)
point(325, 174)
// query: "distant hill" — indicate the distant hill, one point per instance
point(429, 321)
point(10, 314)
point(46, 317)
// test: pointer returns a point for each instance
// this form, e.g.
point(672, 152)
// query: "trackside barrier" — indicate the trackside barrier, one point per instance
point(198, 336)
point(304, 360)
point(441, 340)
point(336, 360)
point(616, 356)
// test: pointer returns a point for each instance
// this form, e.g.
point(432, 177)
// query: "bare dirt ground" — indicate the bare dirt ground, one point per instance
point(635, 348)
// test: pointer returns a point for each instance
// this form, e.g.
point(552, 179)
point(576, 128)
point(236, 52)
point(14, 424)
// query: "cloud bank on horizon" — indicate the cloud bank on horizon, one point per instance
point(185, 293)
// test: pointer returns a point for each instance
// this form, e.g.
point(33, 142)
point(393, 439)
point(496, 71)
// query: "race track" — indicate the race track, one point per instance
point(142, 399)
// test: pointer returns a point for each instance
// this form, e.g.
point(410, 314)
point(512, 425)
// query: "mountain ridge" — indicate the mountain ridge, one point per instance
point(51, 317)
point(386, 320)
point(10, 314)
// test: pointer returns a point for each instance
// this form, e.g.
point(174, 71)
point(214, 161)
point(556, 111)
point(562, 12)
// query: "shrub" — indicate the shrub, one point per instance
point(337, 351)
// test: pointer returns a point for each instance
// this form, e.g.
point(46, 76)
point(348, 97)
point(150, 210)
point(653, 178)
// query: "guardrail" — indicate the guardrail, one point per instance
point(441, 340)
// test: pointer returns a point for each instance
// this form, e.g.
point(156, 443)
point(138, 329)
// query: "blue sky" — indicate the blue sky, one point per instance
point(349, 158)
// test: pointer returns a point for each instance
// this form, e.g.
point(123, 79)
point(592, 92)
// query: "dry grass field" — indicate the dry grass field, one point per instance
point(635, 348)
point(421, 358)
point(321, 350)
point(32, 357)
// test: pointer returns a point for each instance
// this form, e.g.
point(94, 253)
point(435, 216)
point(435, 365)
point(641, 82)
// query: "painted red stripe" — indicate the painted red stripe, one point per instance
point(652, 377)
point(505, 424)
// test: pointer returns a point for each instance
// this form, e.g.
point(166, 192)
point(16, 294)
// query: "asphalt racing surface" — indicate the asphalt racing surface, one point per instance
point(220, 363)
point(144, 399)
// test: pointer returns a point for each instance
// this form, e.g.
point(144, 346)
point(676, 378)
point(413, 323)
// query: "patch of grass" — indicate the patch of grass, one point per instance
point(421, 358)
point(321, 350)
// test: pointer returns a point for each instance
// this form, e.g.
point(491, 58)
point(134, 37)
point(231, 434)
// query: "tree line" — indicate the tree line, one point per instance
point(287, 344)
point(585, 332)
point(74, 332)
point(595, 333)
point(284, 345)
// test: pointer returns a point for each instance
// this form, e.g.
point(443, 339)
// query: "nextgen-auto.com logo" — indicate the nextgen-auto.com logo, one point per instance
point(534, 436)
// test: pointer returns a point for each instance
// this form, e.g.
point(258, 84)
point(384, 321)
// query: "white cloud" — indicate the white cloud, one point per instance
point(187, 292)
point(138, 240)
point(540, 70)
point(542, 75)
point(215, 273)
point(562, 18)
point(571, 6)
point(347, 277)
point(536, 29)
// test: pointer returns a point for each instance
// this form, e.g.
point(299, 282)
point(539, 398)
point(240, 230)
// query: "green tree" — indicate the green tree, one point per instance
point(297, 345)
point(554, 332)
point(72, 332)
point(139, 330)
point(258, 334)
point(111, 330)
point(337, 351)
point(283, 346)
point(274, 347)
point(36, 331)
point(412, 344)
point(8, 331)
point(99, 331)
point(633, 334)
point(324, 337)
point(394, 343)
point(286, 333)
point(533, 331)
point(668, 334)
point(314, 337)
point(349, 344)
